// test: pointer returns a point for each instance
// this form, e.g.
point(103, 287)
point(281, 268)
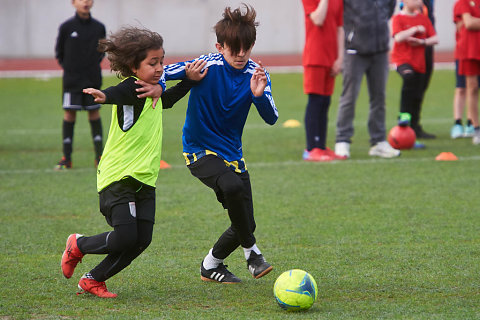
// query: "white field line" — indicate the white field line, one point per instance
point(45, 131)
point(253, 165)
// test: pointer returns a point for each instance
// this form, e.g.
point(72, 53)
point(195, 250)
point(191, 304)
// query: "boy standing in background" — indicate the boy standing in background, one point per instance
point(76, 51)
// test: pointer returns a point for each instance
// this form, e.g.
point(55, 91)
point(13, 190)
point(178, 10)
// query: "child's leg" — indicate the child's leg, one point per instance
point(129, 207)
point(409, 89)
point(235, 195)
point(459, 96)
point(316, 121)
point(472, 99)
point(97, 132)
point(231, 238)
point(459, 104)
point(69, 117)
point(418, 81)
point(124, 244)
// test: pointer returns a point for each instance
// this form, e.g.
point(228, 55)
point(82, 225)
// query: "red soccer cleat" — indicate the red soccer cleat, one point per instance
point(317, 155)
point(71, 256)
point(94, 287)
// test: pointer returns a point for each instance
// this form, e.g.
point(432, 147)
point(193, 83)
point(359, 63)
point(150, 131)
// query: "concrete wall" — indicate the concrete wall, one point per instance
point(28, 28)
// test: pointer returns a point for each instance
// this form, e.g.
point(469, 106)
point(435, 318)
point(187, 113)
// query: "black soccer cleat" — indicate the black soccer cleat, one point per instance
point(257, 265)
point(218, 274)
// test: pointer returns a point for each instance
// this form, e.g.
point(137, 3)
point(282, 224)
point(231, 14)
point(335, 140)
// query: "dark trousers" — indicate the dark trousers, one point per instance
point(234, 192)
point(316, 121)
point(129, 207)
point(428, 75)
point(412, 92)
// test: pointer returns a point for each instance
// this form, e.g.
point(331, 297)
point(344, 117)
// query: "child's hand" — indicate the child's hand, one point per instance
point(336, 68)
point(419, 28)
point(258, 82)
point(415, 42)
point(194, 70)
point(97, 94)
point(149, 90)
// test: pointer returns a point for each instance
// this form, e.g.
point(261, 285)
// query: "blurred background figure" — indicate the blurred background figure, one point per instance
point(427, 9)
point(322, 62)
point(367, 44)
point(469, 57)
point(459, 130)
point(76, 51)
point(413, 33)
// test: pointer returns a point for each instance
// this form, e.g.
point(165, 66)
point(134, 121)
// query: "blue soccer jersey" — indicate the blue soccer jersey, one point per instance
point(218, 107)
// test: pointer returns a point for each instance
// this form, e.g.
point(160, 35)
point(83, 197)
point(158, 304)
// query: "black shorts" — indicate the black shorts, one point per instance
point(79, 101)
point(127, 200)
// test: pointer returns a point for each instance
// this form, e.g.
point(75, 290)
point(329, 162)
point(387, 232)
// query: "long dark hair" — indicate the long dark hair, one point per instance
point(128, 47)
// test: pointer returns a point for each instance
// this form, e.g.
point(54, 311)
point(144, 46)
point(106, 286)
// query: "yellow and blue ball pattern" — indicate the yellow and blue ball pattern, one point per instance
point(295, 290)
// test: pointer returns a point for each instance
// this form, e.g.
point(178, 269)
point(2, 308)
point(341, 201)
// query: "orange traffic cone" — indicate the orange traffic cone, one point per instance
point(446, 156)
point(164, 165)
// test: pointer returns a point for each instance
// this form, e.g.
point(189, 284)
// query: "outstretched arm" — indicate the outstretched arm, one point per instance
point(97, 94)
point(193, 70)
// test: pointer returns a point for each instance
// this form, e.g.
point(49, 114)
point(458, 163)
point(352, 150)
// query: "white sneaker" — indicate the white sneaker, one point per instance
point(476, 137)
point(384, 150)
point(342, 149)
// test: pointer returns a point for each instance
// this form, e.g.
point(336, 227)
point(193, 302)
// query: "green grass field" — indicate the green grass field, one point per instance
point(384, 239)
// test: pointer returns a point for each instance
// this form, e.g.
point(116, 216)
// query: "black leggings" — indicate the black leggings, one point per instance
point(122, 245)
point(412, 92)
point(234, 192)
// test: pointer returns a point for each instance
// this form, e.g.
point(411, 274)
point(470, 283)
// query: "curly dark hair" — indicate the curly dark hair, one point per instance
point(237, 29)
point(128, 47)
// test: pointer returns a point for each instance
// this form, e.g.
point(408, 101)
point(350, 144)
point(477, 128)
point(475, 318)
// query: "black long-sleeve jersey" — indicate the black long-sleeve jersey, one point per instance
point(125, 94)
point(76, 51)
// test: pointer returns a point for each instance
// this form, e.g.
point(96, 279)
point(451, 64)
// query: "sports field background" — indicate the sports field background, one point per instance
point(384, 239)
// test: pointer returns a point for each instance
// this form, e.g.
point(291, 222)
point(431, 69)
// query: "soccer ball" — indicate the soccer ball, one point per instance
point(295, 290)
point(402, 137)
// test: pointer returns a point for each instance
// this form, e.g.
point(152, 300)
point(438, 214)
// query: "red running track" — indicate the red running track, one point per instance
point(267, 60)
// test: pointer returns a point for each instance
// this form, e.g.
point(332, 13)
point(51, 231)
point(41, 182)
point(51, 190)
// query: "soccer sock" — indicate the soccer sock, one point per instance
point(316, 120)
point(67, 133)
point(97, 136)
point(95, 244)
point(253, 248)
point(210, 262)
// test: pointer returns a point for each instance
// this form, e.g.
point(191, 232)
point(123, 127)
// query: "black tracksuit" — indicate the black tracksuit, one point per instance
point(76, 51)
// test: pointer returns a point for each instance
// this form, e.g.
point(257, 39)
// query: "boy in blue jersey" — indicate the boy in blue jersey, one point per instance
point(217, 110)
